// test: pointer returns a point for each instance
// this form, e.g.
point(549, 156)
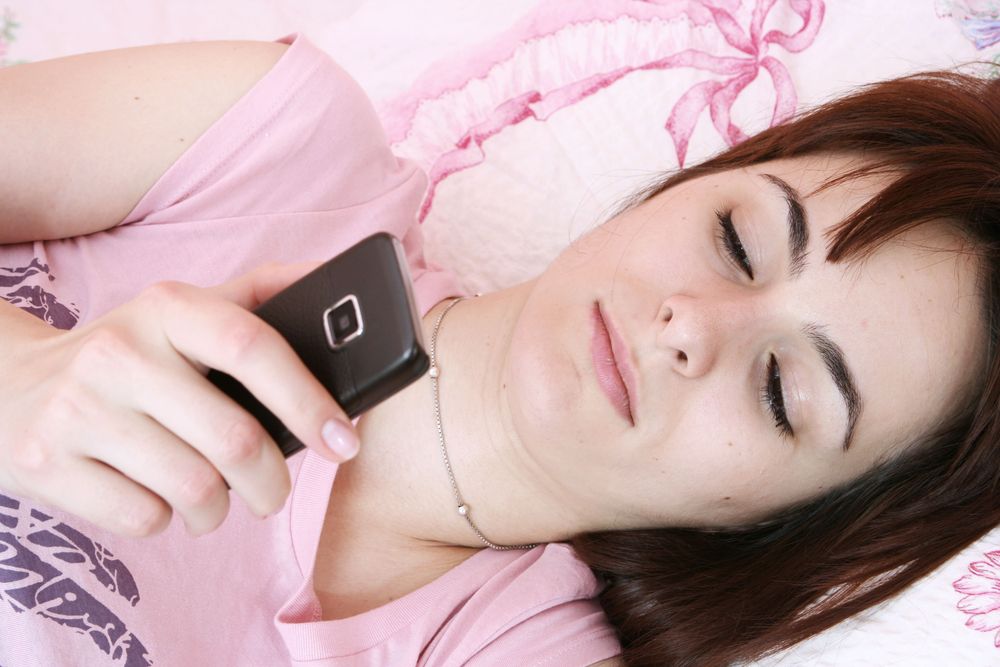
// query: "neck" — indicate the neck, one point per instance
point(397, 490)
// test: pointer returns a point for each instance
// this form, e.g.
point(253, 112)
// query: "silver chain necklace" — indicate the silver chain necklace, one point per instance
point(463, 507)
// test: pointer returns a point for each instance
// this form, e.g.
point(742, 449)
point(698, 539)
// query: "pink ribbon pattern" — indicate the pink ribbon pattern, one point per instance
point(732, 74)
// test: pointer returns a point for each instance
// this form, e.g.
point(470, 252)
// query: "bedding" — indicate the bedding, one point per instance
point(534, 118)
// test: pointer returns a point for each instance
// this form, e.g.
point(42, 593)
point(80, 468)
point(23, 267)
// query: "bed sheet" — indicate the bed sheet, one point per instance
point(534, 118)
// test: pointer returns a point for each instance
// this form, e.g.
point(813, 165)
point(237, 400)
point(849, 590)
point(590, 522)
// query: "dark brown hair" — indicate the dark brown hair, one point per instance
point(711, 597)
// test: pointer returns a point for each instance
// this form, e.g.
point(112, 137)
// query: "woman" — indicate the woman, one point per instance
point(774, 360)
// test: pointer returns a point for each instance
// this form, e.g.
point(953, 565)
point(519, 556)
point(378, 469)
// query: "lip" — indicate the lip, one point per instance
point(616, 379)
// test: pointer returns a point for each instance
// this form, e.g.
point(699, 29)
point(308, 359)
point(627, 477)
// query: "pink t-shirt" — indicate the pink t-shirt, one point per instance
point(298, 169)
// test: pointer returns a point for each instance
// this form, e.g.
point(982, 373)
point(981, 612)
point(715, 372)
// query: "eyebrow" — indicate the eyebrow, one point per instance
point(830, 352)
point(833, 357)
point(798, 230)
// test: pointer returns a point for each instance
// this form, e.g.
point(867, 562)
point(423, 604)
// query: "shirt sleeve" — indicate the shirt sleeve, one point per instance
point(541, 609)
point(298, 169)
point(574, 633)
point(304, 138)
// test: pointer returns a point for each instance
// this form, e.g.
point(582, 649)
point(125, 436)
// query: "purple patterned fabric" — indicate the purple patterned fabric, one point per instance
point(43, 568)
point(19, 286)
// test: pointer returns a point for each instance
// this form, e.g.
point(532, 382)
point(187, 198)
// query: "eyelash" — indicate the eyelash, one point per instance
point(731, 240)
point(771, 394)
point(773, 397)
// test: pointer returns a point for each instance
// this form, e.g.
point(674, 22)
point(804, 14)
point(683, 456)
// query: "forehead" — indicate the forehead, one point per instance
point(907, 316)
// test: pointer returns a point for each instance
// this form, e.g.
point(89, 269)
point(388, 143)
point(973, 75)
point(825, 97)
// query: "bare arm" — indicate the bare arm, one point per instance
point(85, 136)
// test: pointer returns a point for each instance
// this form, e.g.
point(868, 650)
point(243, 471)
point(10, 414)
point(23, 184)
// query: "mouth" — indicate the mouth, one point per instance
point(614, 375)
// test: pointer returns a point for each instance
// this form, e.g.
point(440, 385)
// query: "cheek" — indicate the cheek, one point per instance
point(648, 242)
point(719, 472)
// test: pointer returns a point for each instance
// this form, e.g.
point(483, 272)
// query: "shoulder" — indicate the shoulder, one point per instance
point(540, 607)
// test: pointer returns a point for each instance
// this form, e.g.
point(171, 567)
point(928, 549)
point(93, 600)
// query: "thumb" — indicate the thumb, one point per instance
point(254, 288)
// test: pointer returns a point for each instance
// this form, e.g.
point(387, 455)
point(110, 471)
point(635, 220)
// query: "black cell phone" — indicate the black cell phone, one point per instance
point(354, 324)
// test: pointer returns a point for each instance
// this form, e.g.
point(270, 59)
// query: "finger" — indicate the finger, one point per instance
point(106, 498)
point(224, 435)
point(224, 336)
point(143, 450)
point(256, 287)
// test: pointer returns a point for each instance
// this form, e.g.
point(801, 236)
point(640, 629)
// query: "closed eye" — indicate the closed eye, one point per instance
point(734, 246)
point(773, 397)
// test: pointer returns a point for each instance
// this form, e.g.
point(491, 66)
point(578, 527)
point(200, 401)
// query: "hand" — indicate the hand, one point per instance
point(115, 422)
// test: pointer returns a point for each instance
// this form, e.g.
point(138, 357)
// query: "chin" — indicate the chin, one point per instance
point(544, 388)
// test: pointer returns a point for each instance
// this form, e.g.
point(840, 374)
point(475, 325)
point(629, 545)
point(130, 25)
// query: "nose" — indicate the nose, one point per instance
point(693, 331)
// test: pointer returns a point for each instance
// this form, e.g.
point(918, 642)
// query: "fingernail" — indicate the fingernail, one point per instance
point(341, 439)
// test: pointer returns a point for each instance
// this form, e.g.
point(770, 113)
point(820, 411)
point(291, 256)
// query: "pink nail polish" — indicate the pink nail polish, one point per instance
point(341, 439)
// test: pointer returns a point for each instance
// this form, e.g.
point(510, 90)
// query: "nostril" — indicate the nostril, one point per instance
point(668, 314)
point(682, 357)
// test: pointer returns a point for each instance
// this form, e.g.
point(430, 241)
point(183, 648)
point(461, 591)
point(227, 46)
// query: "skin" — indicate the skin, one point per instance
point(540, 452)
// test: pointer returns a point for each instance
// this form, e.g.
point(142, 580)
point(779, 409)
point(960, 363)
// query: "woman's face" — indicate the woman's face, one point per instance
point(746, 394)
